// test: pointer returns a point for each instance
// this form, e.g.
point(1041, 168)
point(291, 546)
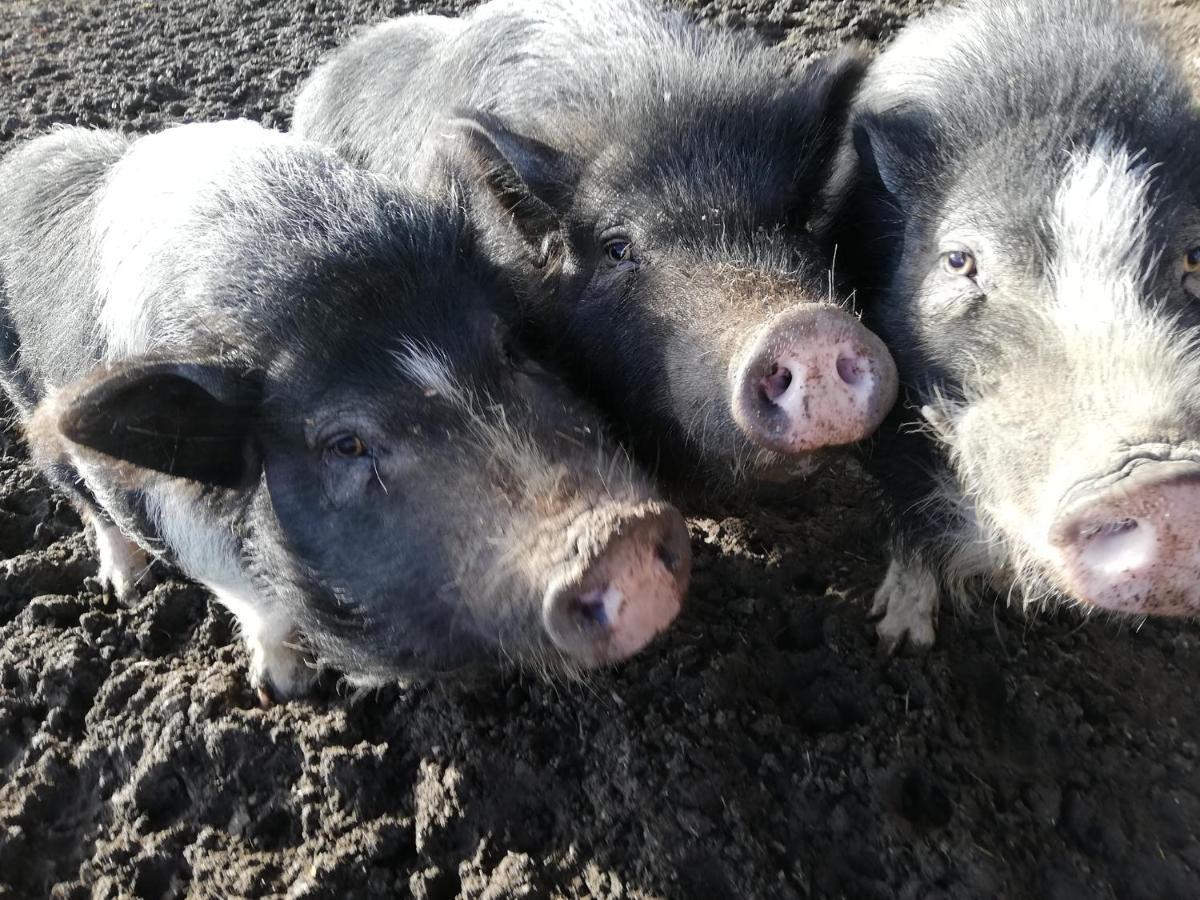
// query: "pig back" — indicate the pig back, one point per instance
point(48, 296)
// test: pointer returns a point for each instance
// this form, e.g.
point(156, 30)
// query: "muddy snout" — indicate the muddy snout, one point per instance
point(813, 377)
point(1134, 545)
point(626, 585)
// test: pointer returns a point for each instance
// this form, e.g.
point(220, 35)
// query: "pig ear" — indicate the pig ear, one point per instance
point(829, 86)
point(897, 150)
point(531, 180)
point(191, 421)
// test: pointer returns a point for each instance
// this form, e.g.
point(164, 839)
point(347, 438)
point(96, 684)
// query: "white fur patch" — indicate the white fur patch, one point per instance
point(148, 207)
point(429, 369)
point(1100, 224)
point(278, 667)
point(908, 602)
point(122, 562)
point(205, 550)
point(204, 546)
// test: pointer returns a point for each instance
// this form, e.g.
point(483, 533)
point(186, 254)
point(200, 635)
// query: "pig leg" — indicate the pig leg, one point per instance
point(907, 603)
point(122, 561)
point(279, 668)
point(922, 513)
point(205, 548)
point(123, 564)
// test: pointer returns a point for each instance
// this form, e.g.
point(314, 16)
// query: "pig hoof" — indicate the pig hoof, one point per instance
point(906, 605)
point(279, 672)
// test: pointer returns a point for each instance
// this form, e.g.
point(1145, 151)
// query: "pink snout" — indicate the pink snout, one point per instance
point(1135, 546)
point(629, 589)
point(815, 377)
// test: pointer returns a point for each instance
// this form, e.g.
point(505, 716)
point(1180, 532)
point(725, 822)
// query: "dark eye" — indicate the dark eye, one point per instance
point(960, 262)
point(348, 446)
point(619, 250)
point(1191, 261)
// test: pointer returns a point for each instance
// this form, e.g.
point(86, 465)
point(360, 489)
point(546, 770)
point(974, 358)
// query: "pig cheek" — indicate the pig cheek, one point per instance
point(310, 501)
point(344, 481)
point(491, 540)
point(998, 469)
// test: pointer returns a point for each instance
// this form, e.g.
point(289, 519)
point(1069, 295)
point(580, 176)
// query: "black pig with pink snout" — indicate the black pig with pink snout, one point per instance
point(292, 379)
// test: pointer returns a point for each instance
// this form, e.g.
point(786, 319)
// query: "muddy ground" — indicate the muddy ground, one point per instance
point(760, 750)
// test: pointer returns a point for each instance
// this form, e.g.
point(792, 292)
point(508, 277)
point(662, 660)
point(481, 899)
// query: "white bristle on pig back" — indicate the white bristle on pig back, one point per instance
point(147, 214)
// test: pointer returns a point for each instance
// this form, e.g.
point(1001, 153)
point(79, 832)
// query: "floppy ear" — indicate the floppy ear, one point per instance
point(897, 149)
point(189, 420)
point(531, 180)
point(828, 87)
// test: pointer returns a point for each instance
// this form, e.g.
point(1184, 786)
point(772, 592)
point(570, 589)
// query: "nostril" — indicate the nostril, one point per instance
point(1108, 529)
point(775, 385)
point(853, 368)
point(1117, 546)
point(599, 606)
point(668, 557)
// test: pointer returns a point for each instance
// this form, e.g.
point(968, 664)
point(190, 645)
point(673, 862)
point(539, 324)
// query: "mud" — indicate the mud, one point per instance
point(760, 750)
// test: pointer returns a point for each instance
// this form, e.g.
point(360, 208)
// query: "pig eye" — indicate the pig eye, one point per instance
point(1191, 261)
point(619, 250)
point(960, 262)
point(348, 446)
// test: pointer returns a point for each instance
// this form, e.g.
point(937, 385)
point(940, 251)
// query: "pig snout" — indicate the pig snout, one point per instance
point(813, 377)
point(1133, 546)
point(628, 584)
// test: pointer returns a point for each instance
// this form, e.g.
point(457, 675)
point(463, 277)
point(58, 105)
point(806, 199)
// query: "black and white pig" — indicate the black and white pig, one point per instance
point(1025, 222)
point(651, 182)
point(289, 378)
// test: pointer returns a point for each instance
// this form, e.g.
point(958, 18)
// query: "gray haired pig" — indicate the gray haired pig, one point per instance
point(289, 378)
point(1025, 220)
point(651, 182)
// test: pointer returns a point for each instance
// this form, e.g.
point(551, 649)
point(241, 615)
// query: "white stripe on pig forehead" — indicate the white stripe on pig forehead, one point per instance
point(430, 370)
point(1100, 223)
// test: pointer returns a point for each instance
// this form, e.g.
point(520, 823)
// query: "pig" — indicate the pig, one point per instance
point(291, 379)
point(649, 184)
point(1019, 203)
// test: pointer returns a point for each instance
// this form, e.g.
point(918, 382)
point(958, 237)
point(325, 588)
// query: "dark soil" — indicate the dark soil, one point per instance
point(760, 750)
